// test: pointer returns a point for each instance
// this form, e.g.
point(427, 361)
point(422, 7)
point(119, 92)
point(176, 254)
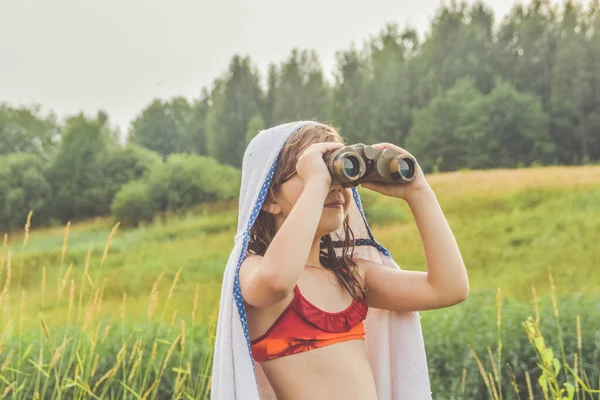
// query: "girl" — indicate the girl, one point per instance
point(324, 312)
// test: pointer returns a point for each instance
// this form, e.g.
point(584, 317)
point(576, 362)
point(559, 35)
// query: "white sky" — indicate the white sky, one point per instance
point(117, 55)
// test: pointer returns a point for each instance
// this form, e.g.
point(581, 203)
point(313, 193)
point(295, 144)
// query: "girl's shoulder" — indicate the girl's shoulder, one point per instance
point(250, 260)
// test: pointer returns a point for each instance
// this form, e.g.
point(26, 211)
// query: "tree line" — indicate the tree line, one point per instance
point(472, 93)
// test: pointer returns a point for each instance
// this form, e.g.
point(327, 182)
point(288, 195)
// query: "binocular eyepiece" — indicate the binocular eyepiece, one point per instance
point(358, 163)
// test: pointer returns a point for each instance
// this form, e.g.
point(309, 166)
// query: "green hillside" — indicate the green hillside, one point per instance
point(512, 226)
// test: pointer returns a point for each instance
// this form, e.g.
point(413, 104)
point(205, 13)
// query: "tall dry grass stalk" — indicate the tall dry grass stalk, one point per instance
point(109, 241)
point(153, 301)
point(4, 293)
point(63, 251)
point(513, 380)
point(195, 303)
point(498, 366)
point(25, 241)
point(3, 258)
point(556, 315)
point(489, 383)
point(27, 229)
point(43, 287)
point(5, 332)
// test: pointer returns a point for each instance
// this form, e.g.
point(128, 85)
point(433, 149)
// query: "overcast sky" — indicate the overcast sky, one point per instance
point(117, 55)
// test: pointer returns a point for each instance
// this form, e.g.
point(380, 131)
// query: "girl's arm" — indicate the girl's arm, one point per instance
point(444, 284)
point(270, 279)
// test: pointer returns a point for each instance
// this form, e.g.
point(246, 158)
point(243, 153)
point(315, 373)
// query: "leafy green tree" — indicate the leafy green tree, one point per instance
point(390, 85)
point(466, 129)
point(236, 98)
point(76, 181)
point(443, 133)
point(163, 126)
point(351, 107)
point(592, 19)
point(90, 167)
point(516, 131)
point(23, 188)
point(255, 125)
point(300, 92)
point(459, 45)
point(24, 130)
point(268, 110)
point(195, 139)
point(573, 103)
point(526, 46)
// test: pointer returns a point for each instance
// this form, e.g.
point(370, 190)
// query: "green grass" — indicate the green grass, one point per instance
point(510, 241)
point(511, 227)
point(194, 245)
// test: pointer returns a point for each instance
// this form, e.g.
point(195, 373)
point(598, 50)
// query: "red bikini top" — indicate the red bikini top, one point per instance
point(303, 326)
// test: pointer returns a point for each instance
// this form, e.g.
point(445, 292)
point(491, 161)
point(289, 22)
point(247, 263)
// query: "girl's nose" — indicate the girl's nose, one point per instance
point(336, 186)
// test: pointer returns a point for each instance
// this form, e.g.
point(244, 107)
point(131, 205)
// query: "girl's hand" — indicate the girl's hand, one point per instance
point(311, 164)
point(400, 190)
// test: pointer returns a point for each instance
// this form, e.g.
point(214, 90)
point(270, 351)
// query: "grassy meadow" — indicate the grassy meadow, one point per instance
point(92, 310)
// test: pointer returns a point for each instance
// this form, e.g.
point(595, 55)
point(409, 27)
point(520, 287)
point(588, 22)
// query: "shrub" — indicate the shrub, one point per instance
point(186, 180)
point(133, 204)
point(124, 164)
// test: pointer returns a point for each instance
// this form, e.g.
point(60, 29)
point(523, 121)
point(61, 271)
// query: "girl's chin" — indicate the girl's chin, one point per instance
point(327, 227)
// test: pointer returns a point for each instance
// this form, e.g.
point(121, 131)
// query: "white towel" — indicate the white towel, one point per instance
point(394, 340)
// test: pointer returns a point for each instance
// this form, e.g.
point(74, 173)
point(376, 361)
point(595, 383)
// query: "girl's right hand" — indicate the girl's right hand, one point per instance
point(311, 164)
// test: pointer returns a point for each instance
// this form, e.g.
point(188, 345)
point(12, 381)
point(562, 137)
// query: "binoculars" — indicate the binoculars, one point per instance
point(358, 163)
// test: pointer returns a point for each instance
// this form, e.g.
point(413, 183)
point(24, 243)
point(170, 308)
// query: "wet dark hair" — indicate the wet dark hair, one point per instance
point(263, 230)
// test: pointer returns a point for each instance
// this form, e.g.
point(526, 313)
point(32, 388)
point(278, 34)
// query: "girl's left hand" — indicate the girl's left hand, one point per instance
point(400, 190)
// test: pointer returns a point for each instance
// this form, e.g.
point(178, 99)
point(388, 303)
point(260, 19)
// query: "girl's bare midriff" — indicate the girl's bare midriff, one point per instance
point(338, 371)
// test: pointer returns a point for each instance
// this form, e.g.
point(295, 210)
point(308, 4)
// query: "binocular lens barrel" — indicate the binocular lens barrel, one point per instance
point(348, 166)
point(351, 166)
point(403, 168)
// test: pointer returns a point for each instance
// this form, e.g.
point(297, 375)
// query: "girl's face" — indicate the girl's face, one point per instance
point(335, 207)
